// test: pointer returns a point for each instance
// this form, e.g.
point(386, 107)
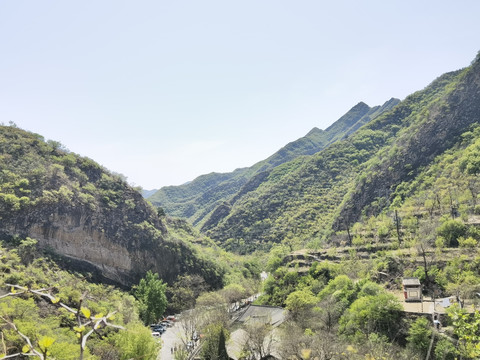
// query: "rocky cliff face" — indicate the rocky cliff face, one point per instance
point(91, 218)
point(121, 255)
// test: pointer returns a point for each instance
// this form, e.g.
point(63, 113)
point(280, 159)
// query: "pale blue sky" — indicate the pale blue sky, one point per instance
point(164, 91)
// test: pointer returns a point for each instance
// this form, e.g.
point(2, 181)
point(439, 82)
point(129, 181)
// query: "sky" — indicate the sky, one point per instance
point(165, 91)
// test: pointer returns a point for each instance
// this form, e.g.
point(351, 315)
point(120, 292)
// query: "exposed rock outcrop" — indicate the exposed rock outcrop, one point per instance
point(94, 220)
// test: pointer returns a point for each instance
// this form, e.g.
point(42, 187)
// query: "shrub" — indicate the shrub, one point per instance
point(467, 243)
point(451, 230)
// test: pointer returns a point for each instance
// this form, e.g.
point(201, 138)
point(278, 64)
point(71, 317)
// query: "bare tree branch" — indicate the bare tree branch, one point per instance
point(94, 322)
point(33, 352)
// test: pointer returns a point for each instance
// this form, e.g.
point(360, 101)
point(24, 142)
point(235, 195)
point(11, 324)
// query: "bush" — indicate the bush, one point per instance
point(467, 243)
point(419, 335)
point(476, 210)
point(445, 350)
point(451, 230)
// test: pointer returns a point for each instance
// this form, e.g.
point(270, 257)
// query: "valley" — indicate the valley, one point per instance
point(338, 219)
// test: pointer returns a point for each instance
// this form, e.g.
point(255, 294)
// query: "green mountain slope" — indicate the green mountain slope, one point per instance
point(80, 211)
point(198, 198)
point(306, 200)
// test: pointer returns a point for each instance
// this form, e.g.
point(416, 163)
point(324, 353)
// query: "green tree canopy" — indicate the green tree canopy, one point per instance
point(451, 230)
point(150, 292)
point(300, 301)
point(419, 335)
point(213, 347)
point(136, 343)
point(372, 314)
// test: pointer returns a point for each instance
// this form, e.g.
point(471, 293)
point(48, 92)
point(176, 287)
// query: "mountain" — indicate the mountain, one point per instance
point(86, 215)
point(147, 193)
point(311, 198)
point(197, 199)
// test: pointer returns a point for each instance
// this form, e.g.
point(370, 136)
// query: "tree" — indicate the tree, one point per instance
point(184, 292)
point(419, 335)
point(259, 339)
point(233, 293)
point(192, 322)
point(300, 302)
point(467, 329)
point(150, 292)
point(213, 343)
point(222, 348)
point(445, 350)
point(464, 286)
point(297, 343)
point(329, 311)
point(213, 309)
point(470, 162)
point(136, 343)
point(342, 290)
point(87, 324)
point(373, 314)
point(26, 250)
point(451, 230)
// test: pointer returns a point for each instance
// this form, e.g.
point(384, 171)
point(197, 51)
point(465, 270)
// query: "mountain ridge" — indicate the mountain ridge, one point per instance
point(310, 199)
point(197, 199)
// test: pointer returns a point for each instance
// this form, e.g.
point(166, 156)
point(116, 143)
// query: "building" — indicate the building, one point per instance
point(412, 289)
point(272, 315)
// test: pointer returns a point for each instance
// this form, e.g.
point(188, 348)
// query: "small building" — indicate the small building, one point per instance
point(412, 289)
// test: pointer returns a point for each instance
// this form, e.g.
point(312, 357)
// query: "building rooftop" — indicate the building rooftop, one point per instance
point(411, 281)
point(265, 314)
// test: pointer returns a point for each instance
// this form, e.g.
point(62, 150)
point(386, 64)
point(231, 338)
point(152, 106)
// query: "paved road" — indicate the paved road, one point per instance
point(171, 339)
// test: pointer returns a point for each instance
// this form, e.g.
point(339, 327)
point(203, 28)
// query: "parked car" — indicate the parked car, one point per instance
point(159, 329)
point(156, 334)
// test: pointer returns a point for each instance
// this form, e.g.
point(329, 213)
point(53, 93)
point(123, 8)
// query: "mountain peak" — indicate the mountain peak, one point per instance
point(314, 131)
point(361, 104)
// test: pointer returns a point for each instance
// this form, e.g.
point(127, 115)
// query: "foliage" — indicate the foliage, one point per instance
point(150, 292)
point(214, 343)
point(59, 324)
point(419, 335)
point(300, 301)
point(342, 289)
point(467, 329)
point(445, 350)
point(43, 183)
point(451, 231)
point(372, 314)
point(136, 342)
